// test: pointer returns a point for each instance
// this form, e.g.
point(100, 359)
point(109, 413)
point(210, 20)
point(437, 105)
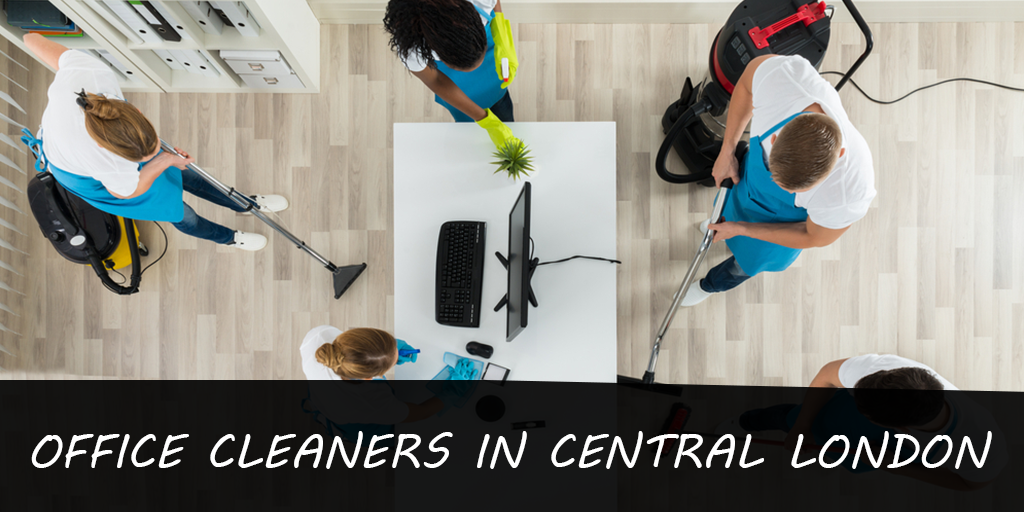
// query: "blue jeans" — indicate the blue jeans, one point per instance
point(726, 276)
point(503, 109)
point(194, 225)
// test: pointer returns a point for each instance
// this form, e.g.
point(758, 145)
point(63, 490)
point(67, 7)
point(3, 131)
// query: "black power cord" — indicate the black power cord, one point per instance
point(161, 254)
point(919, 89)
point(533, 246)
point(123, 278)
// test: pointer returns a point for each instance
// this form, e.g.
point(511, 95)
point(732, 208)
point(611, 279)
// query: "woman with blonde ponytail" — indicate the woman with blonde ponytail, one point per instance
point(354, 356)
point(104, 150)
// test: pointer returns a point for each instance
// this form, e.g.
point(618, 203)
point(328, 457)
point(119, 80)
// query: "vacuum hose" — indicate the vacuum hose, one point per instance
point(702, 105)
point(101, 270)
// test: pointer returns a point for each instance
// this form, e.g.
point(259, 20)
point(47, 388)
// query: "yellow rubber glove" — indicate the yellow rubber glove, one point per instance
point(500, 133)
point(504, 48)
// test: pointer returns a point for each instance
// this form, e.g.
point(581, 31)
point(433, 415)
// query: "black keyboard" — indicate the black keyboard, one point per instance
point(460, 273)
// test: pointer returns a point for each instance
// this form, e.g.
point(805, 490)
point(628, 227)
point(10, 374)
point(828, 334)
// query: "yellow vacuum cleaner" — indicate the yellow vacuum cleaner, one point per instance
point(85, 235)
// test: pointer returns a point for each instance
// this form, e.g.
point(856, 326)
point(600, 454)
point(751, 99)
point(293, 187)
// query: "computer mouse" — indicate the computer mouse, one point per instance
point(490, 408)
point(479, 349)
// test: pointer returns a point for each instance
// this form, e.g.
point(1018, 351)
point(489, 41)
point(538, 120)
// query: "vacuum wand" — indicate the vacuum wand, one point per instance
point(343, 276)
point(698, 258)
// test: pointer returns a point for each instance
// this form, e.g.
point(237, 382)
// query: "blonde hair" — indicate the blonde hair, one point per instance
point(118, 127)
point(805, 151)
point(360, 353)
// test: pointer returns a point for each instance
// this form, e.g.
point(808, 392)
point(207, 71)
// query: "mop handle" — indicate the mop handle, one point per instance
point(705, 244)
point(716, 212)
point(252, 207)
point(244, 201)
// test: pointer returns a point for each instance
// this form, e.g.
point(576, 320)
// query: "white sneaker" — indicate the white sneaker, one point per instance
point(704, 226)
point(249, 241)
point(271, 203)
point(694, 295)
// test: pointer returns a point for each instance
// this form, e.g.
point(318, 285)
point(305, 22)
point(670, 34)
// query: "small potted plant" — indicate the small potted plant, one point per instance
point(514, 159)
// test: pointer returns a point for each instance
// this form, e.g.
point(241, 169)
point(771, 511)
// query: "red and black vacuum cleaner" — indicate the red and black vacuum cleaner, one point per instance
point(695, 123)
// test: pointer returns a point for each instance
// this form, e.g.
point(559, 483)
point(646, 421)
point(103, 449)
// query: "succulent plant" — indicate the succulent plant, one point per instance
point(514, 158)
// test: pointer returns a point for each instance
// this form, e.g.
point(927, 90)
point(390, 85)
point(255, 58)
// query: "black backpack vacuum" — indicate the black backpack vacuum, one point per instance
point(695, 123)
point(85, 235)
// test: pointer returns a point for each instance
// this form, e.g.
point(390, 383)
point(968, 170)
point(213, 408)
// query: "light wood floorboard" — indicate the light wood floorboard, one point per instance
point(935, 271)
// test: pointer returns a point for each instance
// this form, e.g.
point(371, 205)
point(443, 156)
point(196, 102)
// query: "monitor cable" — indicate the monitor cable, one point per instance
point(533, 246)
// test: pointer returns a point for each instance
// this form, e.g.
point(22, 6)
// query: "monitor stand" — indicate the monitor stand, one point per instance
point(533, 266)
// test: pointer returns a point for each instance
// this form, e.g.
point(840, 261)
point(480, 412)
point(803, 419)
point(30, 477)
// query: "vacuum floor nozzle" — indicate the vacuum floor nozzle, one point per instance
point(345, 276)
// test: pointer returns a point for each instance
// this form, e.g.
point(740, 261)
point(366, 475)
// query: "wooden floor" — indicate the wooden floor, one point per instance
point(935, 271)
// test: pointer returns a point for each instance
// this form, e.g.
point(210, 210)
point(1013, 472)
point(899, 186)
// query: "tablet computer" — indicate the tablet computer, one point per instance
point(495, 373)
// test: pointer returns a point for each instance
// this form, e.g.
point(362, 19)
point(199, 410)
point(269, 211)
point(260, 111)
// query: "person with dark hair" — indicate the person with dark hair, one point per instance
point(463, 51)
point(887, 393)
point(104, 150)
point(905, 396)
point(807, 176)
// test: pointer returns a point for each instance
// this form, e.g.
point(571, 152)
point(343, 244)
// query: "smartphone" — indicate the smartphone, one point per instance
point(495, 373)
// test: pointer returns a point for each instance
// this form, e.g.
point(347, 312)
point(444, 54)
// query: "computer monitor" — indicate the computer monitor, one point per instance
point(519, 265)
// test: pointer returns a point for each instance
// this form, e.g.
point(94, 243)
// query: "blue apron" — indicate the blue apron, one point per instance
point(162, 202)
point(757, 198)
point(482, 85)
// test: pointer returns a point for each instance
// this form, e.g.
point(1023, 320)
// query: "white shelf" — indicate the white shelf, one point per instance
point(287, 26)
point(86, 42)
point(183, 45)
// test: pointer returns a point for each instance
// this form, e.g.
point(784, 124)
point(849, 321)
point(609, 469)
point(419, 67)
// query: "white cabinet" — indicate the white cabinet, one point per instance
point(270, 83)
point(258, 62)
point(264, 69)
point(193, 64)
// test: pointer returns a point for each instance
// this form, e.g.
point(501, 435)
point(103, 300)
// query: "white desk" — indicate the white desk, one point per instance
point(442, 173)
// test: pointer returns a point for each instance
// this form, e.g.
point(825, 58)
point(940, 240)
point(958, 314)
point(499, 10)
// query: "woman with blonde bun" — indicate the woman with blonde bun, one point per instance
point(105, 151)
point(356, 354)
point(360, 354)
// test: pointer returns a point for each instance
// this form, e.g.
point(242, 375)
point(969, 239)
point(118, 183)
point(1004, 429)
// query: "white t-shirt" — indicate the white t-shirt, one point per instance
point(413, 61)
point(785, 85)
point(66, 142)
point(347, 401)
point(856, 368)
point(967, 418)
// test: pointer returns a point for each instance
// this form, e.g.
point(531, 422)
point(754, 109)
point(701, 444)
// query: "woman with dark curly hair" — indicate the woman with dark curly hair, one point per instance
point(463, 51)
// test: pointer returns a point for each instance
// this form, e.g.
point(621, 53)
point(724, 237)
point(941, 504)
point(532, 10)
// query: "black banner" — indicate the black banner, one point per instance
point(517, 446)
